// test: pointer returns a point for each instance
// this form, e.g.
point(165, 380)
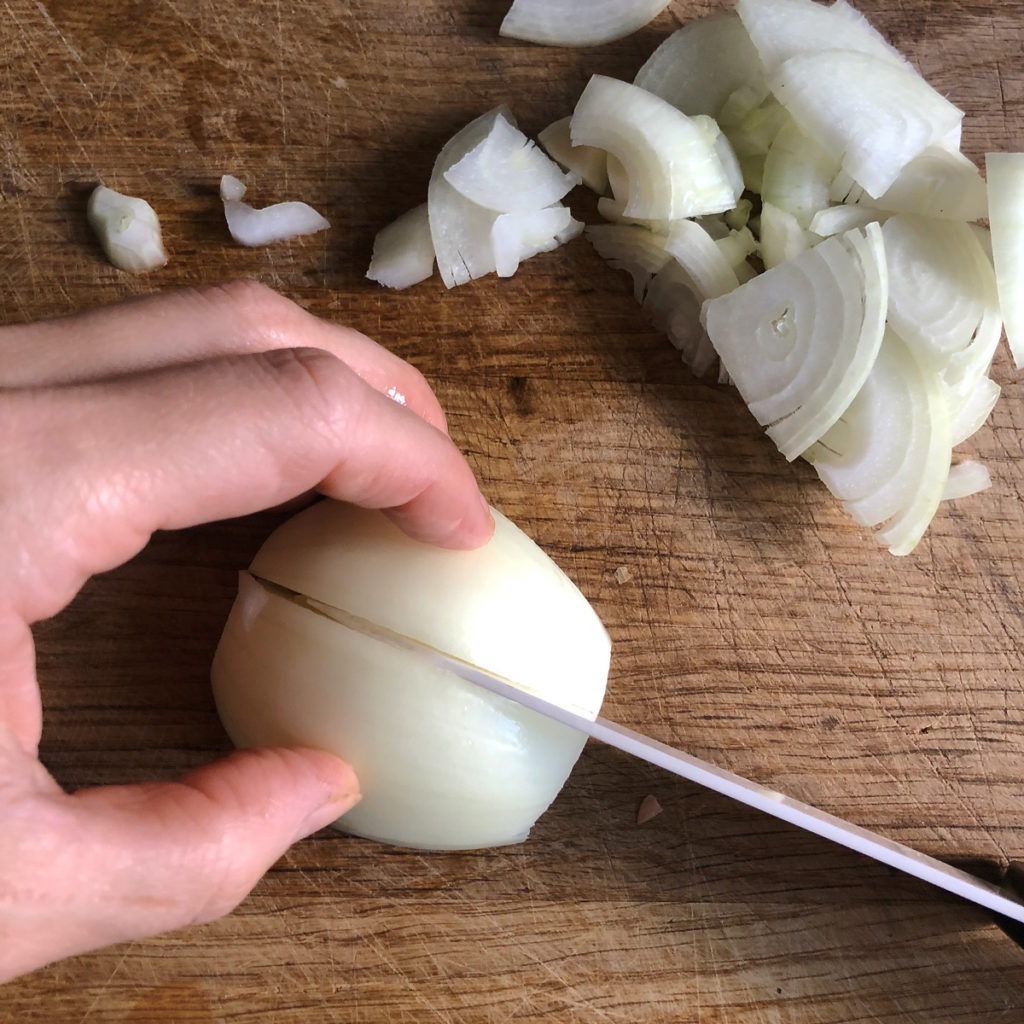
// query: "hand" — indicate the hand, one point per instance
point(158, 414)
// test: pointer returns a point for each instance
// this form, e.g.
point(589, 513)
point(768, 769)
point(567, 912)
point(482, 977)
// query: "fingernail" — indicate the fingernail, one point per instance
point(338, 804)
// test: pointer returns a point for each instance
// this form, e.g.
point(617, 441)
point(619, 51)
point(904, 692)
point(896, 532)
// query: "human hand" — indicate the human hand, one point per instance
point(160, 414)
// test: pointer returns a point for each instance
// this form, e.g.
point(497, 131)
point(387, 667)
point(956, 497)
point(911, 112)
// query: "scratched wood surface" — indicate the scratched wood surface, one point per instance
point(758, 628)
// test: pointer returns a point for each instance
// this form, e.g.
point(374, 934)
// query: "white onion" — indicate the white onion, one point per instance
point(403, 253)
point(590, 164)
point(1005, 172)
point(871, 113)
point(800, 339)
point(674, 169)
point(631, 248)
point(577, 22)
point(835, 220)
point(442, 764)
point(506, 172)
point(249, 226)
point(128, 229)
point(797, 174)
point(701, 65)
point(966, 478)
point(519, 236)
point(674, 308)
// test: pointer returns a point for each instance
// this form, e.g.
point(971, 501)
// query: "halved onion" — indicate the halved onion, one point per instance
point(872, 114)
point(590, 164)
point(800, 339)
point(403, 253)
point(674, 169)
point(128, 229)
point(506, 172)
point(249, 226)
point(701, 65)
point(1005, 173)
point(575, 23)
point(887, 459)
point(316, 652)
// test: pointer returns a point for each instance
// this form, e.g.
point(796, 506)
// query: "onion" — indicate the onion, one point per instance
point(1005, 173)
point(588, 163)
point(966, 478)
point(321, 649)
point(249, 226)
point(403, 253)
point(800, 339)
point(128, 229)
point(798, 174)
point(674, 169)
point(575, 23)
point(781, 237)
point(701, 65)
point(871, 113)
point(518, 236)
point(630, 248)
point(674, 308)
point(506, 172)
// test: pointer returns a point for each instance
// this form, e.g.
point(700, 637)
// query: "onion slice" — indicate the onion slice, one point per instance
point(701, 65)
point(506, 172)
point(966, 478)
point(588, 163)
point(128, 229)
point(1005, 172)
point(674, 168)
point(403, 253)
point(575, 23)
point(800, 339)
point(631, 248)
point(519, 236)
point(870, 113)
point(798, 174)
point(251, 227)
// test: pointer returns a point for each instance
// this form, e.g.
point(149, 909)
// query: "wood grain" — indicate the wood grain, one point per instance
point(759, 627)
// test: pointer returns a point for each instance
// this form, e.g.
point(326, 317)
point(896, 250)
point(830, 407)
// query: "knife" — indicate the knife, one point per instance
point(804, 816)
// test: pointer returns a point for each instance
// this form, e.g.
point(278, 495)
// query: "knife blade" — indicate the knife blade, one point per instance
point(753, 794)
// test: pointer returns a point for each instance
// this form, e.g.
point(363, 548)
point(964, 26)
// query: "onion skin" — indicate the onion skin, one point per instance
point(442, 764)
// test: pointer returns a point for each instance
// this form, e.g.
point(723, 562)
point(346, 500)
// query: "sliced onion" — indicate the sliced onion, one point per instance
point(972, 410)
point(459, 228)
point(701, 65)
point(708, 270)
point(966, 478)
point(634, 249)
point(674, 170)
point(1005, 172)
point(754, 134)
point(519, 236)
point(870, 113)
point(315, 653)
point(403, 253)
point(887, 459)
point(590, 164)
point(800, 339)
point(672, 306)
point(575, 23)
point(128, 229)
point(780, 29)
point(835, 220)
point(941, 286)
point(249, 226)
point(506, 172)
point(797, 174)
point(781, 238)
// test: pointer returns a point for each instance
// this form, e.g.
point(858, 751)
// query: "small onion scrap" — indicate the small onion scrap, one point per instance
point(128, 229)
point(252, 227)
point(577, 22)
point(325, 645)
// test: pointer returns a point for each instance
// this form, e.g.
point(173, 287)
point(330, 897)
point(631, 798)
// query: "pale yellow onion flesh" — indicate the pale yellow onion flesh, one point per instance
point(441, 764)
point(631, 248)
point(674, 170)
point(701, 65)
point(672, 306)
point(800, 339)
point(577, 22)
point(1005, 173)
point(519, 236)
point(508, 173)
point(128, 229)
point(888, 458)
point(403, 252)
point(797, 174)
point(277, 223)
point(871, 114)
point(780, 29)
point(781, 238)
point(707, 268)
point(835, 220)
point(966, 478)
point(589, 163)
point(970, 411)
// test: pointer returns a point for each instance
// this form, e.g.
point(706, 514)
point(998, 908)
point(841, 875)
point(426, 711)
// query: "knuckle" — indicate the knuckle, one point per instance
point(318, 385)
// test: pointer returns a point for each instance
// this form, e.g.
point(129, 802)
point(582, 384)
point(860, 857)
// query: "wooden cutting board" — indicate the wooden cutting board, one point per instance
point(755, 625)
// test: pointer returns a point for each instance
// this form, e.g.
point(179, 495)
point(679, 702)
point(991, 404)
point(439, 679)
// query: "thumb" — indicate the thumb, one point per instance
point(123, 862)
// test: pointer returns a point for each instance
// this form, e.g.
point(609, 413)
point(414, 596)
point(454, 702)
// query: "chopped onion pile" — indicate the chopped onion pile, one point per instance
point(329, 645)
point(862, 333)
point(577, 22)
point(128, 229)
point(249, 226)
point(493, 201)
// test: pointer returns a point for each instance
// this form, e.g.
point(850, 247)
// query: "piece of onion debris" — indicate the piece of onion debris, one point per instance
point(128, 230)
point(649, 808)
point(249, 226)
point(577, 22)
